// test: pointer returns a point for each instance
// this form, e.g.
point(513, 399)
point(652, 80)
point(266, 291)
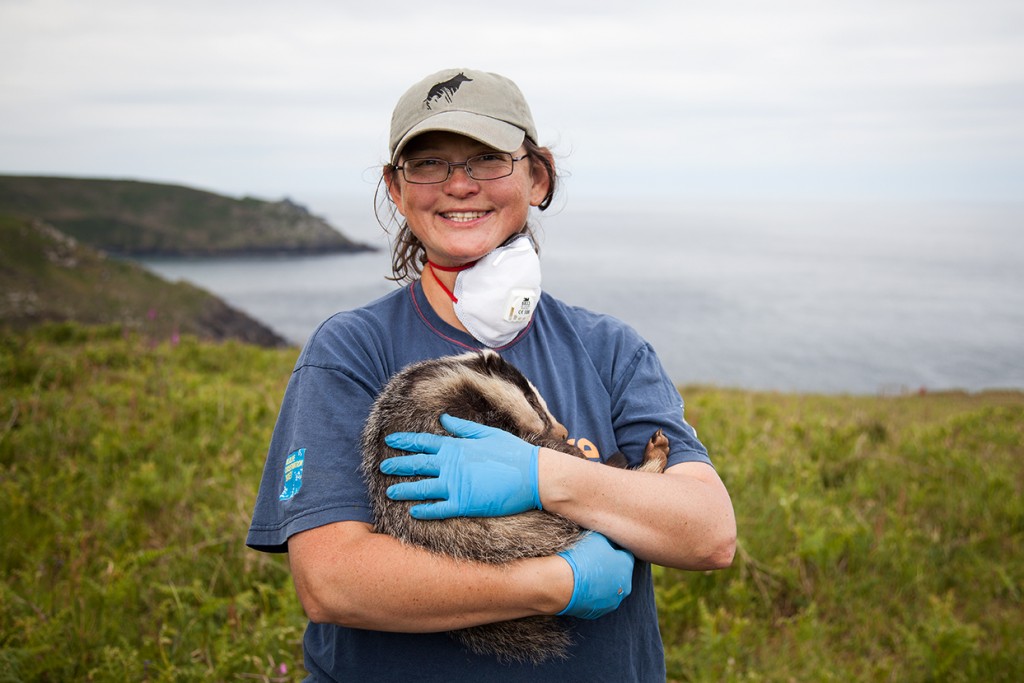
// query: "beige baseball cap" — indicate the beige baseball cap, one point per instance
point(484, 106)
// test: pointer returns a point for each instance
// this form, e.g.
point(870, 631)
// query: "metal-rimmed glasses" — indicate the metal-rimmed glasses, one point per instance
point(428, 171)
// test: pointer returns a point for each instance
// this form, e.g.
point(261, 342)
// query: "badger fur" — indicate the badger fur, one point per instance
point(484, 388)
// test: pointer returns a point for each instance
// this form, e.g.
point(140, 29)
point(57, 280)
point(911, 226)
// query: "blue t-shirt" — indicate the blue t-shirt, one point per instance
point(599, 378)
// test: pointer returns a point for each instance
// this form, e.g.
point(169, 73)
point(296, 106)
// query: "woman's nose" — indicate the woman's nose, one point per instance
point(460, 182)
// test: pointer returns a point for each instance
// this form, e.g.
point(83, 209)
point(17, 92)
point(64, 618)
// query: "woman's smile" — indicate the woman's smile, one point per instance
point(463, 216)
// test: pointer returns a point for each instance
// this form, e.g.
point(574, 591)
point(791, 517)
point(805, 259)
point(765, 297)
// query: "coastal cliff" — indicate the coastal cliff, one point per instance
point(134, 218)
point(47, 276)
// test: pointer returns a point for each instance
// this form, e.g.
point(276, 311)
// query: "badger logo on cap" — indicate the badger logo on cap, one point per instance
point(447, 90)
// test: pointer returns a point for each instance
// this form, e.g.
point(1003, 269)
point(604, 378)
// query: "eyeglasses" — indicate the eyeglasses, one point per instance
point(490, 166)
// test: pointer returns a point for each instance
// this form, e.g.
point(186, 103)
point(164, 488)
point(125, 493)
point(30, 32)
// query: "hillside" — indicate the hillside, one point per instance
point(47, 276)
point(880, 538)
point(149, 219)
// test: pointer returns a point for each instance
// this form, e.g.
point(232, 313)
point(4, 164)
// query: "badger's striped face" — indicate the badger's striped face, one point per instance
point(491, 390)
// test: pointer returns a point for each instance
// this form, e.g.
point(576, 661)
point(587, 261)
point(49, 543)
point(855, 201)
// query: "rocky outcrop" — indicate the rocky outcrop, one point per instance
point(134, 218)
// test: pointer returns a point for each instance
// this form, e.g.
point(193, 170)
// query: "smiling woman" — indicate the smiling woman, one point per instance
point(463, 217)
point(492, 127)
point(465, 171)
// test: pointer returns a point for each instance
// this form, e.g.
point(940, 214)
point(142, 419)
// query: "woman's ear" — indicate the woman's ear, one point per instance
point(394, 187)
point(541, 178)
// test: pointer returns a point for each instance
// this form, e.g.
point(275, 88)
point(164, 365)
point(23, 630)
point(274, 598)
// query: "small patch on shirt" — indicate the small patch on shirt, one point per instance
point(588, 448)
point(293, 474)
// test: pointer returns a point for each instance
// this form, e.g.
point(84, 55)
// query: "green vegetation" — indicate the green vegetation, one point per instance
point(47, 276)
point(127, 477)
point(138, 218)
point(880, 537)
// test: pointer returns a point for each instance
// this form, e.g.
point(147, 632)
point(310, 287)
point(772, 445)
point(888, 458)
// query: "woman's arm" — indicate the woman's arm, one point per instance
point(346, 574)
point(682, 518)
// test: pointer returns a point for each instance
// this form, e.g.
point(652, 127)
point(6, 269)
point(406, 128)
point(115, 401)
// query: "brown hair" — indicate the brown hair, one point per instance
point(407, 253)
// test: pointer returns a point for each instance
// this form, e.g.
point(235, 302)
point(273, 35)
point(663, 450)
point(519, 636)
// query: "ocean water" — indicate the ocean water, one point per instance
point(832, 298)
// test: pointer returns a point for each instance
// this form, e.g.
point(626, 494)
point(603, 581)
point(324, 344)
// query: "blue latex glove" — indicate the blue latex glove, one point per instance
point(479, 472)
point(602, 577)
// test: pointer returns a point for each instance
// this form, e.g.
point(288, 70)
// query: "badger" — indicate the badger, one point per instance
point(484, 388)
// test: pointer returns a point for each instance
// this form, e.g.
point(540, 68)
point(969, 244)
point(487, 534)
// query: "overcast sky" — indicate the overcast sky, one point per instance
point(643, 101)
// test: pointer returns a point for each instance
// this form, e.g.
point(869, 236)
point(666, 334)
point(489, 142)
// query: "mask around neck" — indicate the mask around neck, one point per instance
point(495, 298)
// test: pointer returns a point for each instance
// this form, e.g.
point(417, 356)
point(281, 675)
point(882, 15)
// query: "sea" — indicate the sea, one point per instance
point(853, 298)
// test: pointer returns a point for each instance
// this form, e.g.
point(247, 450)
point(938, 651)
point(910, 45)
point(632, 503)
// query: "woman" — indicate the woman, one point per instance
point(465, 170)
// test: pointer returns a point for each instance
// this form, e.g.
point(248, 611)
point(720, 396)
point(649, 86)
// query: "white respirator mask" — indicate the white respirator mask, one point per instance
point(495, 298)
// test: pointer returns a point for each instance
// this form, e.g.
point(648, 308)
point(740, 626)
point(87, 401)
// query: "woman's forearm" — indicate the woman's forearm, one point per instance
point(345, 574)
point(682, 518)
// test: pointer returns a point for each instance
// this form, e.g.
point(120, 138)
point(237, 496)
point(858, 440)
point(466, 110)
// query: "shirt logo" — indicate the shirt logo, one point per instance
point(587, 447)
point(293, 474)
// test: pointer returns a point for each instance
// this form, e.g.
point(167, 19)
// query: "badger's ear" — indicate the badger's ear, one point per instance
point(617, 459)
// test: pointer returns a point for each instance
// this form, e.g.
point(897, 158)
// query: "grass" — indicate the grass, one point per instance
point(127, 475)
point(879, 540)
point(880, 537)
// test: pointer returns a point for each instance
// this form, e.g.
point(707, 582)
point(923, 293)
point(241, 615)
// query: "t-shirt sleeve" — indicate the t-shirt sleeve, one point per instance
point(644, 400)
point(312, 474)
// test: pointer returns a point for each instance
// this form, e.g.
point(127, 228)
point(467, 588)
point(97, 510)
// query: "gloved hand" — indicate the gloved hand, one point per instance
point(602, 577)
point(480, 472)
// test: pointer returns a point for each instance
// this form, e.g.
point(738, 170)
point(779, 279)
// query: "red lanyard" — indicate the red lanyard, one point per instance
point(456, 269)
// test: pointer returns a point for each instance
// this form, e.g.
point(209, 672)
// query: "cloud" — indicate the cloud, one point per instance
point(708, 99)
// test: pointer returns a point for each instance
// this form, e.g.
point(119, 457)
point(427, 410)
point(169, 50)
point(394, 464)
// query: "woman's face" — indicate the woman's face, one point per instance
point(460, 220)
